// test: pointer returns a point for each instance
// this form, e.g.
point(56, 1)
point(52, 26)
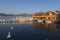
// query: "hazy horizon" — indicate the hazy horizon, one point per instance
point(28, 6)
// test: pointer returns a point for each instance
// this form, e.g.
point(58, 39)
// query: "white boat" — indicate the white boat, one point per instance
point(40, 21)
point(9, 35)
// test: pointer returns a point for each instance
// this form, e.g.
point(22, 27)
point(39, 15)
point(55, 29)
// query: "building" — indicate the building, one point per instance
point(46, 16)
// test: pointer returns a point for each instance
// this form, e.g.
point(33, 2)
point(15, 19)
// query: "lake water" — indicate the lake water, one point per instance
point(34, 31)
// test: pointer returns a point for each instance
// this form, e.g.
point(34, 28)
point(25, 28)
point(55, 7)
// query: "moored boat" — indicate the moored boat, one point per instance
point(34, 20)
point(41, 21)
point(22, 21)
point(48, 21)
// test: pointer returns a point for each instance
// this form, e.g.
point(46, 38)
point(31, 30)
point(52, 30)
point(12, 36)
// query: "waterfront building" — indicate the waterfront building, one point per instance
point(47, 15)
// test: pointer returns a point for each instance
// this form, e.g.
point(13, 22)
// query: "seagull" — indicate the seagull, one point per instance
point(11, 27)
point(9, 35)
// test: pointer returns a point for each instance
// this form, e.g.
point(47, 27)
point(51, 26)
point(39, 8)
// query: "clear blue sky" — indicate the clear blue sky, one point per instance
point(28, 6)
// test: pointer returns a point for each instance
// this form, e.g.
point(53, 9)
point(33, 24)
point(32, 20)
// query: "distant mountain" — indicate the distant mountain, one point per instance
point(10, 15)
point(24, 15)
point(4, 14)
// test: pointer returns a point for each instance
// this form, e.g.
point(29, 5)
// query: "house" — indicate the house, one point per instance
point(49, 15)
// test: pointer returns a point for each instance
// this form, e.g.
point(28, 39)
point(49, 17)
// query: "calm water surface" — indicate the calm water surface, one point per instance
point(34, 31)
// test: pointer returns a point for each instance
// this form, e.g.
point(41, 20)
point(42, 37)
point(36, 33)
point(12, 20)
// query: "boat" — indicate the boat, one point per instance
point(48, 21)
point(22, 21)
point(34, 20)
point(41, 21)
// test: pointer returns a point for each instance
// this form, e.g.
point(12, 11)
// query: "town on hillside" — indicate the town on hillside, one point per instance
point(40, 17)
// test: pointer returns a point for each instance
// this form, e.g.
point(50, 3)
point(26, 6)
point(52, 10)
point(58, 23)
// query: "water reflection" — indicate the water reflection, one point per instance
point(27, 31)
point(49, 27)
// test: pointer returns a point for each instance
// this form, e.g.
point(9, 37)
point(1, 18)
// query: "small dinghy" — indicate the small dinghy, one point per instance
point(9, 35)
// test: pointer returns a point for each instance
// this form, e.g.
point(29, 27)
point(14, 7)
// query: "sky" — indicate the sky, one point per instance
point(28, 6)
